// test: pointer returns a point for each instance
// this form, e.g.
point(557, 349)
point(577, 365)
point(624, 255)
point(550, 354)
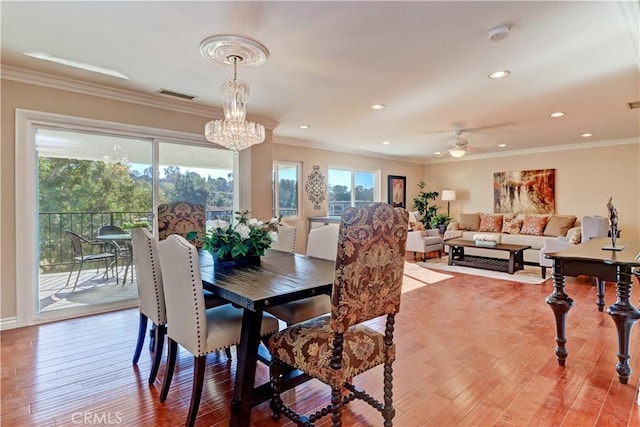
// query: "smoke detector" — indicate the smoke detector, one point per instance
point(500, 32)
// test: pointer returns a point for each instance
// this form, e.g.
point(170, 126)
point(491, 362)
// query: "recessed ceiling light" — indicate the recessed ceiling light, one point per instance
point(437, 153)
point(586, 135)
point(502, 145)
point(304, 126)
point(75, 64)
point(377, 106)
point(499, 74)
point(557, 114)
point(386, 142)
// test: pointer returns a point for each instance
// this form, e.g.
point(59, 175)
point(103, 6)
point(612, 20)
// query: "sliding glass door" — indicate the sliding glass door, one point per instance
point(76, 178)
point(85, 183)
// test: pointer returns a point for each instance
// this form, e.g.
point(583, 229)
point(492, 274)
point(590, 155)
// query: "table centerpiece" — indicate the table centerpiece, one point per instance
point(240, 242)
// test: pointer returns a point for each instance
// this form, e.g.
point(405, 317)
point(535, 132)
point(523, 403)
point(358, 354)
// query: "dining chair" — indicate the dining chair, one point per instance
point(198, 330)
point(183, 218)
point(78, 245)
point(336, 348)
point(122, 248)
point(322, 242)
point(286, 238)
point(151, 297)
point(304, 309)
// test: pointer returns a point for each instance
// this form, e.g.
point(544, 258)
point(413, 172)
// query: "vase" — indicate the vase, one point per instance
point(236, 262)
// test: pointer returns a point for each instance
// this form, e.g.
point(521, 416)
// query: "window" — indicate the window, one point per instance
point(286, 178)
point(348, 187)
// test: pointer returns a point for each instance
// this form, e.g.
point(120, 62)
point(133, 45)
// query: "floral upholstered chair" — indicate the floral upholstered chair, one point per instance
point(183, 218)
point(337, 347)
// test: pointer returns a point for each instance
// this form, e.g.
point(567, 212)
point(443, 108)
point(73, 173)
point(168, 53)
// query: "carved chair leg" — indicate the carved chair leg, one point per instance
point(388, 411)
point(228, 352)
point(275, 372)
point(336, 406)
point(142, 331)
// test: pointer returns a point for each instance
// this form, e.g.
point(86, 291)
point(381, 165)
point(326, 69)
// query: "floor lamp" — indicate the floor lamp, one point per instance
point(448, 196)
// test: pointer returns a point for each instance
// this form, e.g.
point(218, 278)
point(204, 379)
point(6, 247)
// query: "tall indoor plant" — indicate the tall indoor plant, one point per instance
point(421, 204)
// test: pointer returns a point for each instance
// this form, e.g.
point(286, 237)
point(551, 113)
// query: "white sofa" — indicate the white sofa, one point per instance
point(468, 226)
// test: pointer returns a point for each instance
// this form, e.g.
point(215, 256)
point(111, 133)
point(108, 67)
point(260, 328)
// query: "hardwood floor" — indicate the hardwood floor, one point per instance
point(471, 351)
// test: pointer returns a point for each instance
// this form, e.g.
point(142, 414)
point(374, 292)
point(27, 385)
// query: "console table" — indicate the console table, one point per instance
point(511, 265)
point(590, 259)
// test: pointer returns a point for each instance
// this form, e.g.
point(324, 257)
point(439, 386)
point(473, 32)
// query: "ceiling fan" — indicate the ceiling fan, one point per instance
point(458, 146)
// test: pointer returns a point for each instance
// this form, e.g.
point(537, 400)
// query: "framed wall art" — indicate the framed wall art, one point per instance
point(397, 190)
point(531, 191)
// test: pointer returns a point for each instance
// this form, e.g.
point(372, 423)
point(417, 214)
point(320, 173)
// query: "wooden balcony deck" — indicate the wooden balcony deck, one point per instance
point(93, 288)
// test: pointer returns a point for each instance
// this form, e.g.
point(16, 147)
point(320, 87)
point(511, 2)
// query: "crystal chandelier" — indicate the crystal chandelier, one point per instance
point(234, 132)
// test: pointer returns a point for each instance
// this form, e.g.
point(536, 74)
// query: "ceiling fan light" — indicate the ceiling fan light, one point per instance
point(457, 151)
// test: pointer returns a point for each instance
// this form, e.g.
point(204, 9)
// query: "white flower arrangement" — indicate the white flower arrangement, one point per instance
point(487, 237)
point(249, 236)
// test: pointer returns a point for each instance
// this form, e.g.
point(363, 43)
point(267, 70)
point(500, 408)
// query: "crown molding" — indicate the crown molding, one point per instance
point(71, 85)
point(539, 150)
point(447, 159)
point(337, 149)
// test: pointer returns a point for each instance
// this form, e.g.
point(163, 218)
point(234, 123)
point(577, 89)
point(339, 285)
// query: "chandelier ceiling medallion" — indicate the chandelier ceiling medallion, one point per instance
point(234, 132)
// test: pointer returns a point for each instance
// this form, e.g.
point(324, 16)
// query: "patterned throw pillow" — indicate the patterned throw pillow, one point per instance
point(575, 236)
point(511, 226)
point(533, 225)
point(490, 223)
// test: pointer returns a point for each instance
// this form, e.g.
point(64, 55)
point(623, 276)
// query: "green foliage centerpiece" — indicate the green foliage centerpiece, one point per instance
point(240, 242)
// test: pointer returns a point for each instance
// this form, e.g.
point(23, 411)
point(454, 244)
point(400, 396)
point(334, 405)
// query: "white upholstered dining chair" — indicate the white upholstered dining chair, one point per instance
point(151, 296)
point(197, 330)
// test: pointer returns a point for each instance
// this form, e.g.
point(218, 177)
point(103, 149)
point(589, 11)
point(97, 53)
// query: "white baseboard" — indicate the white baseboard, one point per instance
point(8, 323)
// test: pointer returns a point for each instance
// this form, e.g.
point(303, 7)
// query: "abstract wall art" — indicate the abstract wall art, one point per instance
point(530, 191)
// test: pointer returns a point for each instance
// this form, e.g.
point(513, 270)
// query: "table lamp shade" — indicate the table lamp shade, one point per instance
point(448, 195)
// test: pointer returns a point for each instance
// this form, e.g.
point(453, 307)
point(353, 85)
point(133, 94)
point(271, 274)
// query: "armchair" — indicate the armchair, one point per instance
point(430, 241)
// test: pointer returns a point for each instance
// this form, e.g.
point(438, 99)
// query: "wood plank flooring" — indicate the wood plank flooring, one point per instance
point(471, 351)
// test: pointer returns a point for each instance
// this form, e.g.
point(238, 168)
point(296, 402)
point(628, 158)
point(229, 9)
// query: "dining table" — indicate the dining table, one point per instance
point(281, 277)
point(596, 258)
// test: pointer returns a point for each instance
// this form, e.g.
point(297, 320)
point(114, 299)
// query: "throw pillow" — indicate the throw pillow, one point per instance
point(490, 223)
point(511, 226)
point(575, 237)
point(533, 225)
point(559, 225)
point(469, 222)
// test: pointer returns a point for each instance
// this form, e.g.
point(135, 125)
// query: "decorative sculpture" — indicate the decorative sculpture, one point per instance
point(613, 225)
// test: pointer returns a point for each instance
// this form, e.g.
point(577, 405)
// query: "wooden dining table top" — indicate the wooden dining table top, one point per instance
point(281, 277)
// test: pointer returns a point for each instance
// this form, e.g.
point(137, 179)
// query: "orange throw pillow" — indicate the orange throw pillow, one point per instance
point(490, 223)
point(533, 225)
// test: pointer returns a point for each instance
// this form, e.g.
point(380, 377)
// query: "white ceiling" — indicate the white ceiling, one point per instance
point(330, 61)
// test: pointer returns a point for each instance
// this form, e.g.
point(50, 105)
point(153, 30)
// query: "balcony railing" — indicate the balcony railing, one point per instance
point(55, 247)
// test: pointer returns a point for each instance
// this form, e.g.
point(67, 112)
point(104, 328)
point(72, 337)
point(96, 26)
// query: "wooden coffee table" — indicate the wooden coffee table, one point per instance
point(511, 265)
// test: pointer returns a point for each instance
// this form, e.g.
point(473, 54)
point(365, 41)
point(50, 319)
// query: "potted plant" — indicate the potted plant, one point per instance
point(421, 204)
point(440, 221)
